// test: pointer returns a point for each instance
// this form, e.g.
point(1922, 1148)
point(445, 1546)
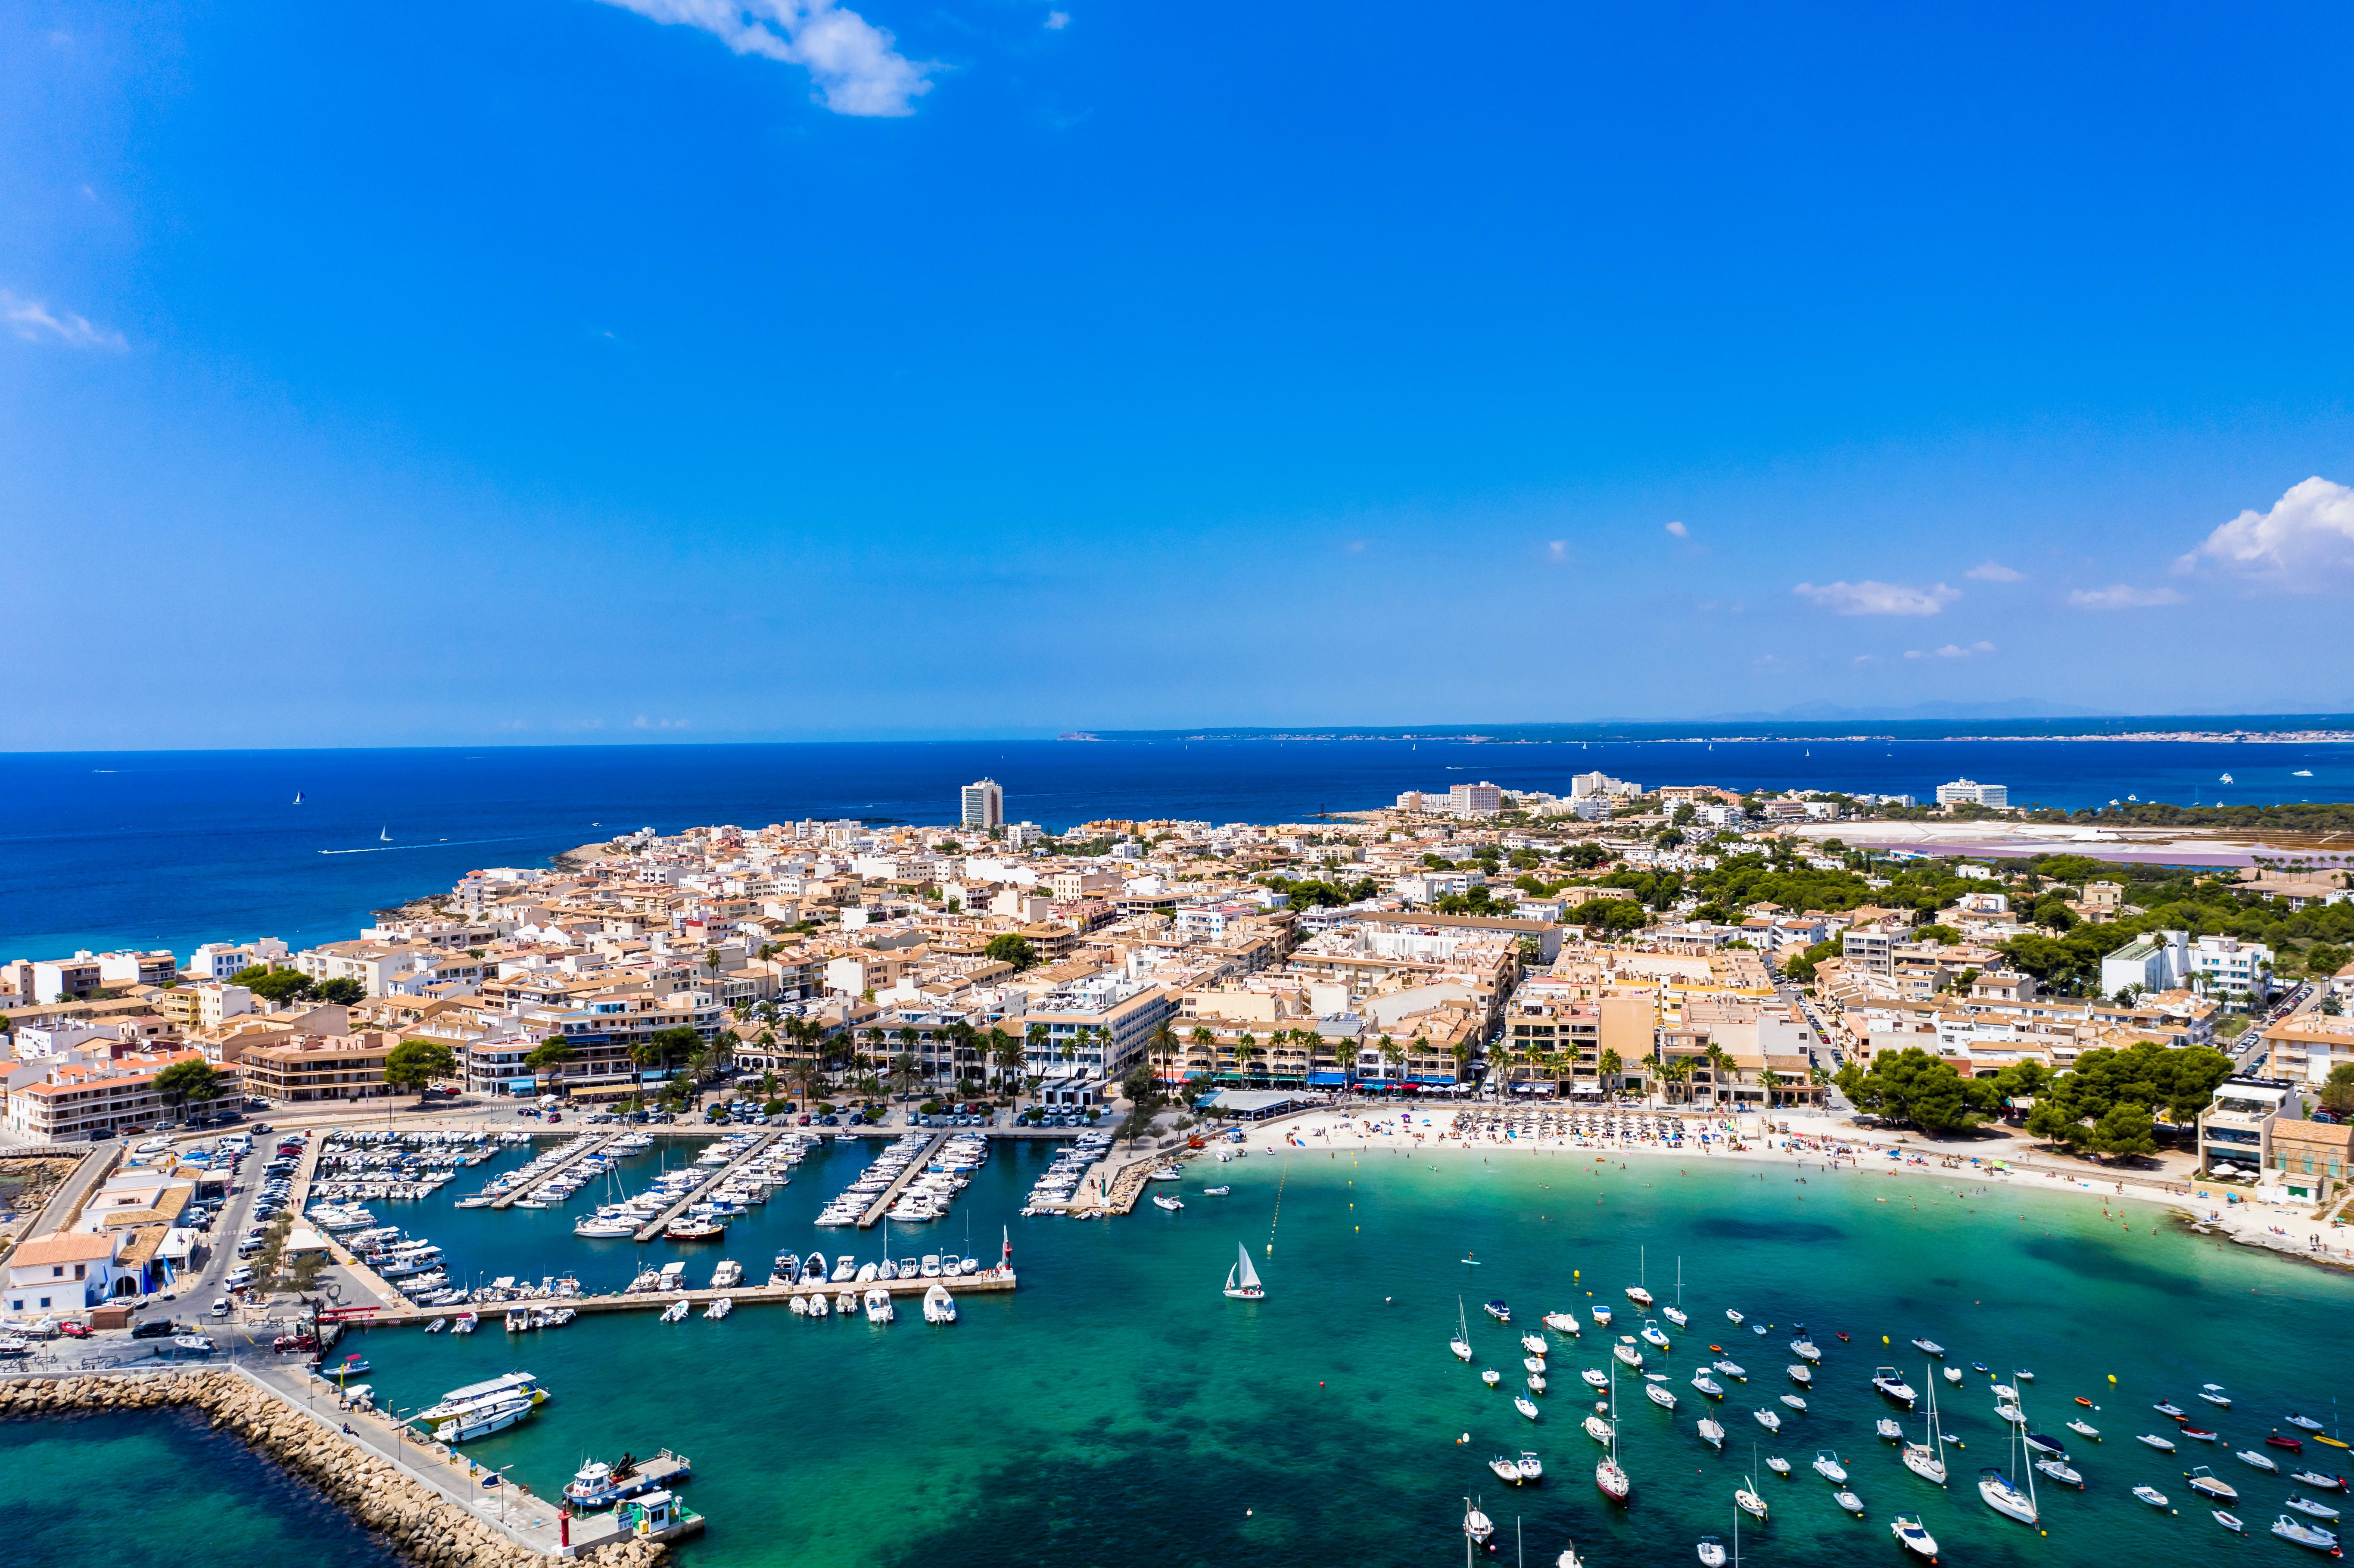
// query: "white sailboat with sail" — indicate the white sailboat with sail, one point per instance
point(1242, 1279)
point(1461, 1344)
point(1676, 1313)
point(1926, 1458)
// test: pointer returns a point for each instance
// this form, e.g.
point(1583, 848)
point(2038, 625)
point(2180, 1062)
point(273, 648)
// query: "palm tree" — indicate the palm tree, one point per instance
point(904, 1071)
point(1392, 1057)
point(1246, 1052)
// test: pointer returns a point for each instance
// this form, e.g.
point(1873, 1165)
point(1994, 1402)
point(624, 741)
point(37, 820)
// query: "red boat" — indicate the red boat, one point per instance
point(2294, 1445)
point(1842, 1334)
point(2201, 1433)
point(2083, 1401)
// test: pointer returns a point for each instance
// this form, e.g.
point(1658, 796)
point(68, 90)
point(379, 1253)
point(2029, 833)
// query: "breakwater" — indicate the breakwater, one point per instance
point(417, 1522)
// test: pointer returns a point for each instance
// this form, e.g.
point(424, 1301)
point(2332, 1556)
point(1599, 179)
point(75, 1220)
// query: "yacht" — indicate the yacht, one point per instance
point(2003, 1495)
point(879, 1308)
point(1525, 1405)
point(459, 1400)
point(1887, 1381)
point(1242, 1284)
point(1747, 1495)
point(482, 1420)
point(1460, 1344)
point(1609, 1479)
point(1913, 1537)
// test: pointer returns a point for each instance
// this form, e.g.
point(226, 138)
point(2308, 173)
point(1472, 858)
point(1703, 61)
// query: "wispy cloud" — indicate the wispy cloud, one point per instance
point(2305, 543)
point(1557, 551)
point(1680, 531)
point(1995, 572)
point(1960, 650)
point(642, 722)
point(1058, 20)
point(1869, 597)
point(2122, 596)
point(35, 323)
point(853, 61)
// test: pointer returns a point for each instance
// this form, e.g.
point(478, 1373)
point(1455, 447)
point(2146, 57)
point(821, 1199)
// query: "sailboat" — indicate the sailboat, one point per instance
point(1608, 1475)
point(1676, 1313)
point(384, 835)
point(1926, 1458)
point(1242, 1279)
point(1635, 1293)
point(2001, 1493)
point(1461, 1344)
point(298, 797)
point(2225, 779)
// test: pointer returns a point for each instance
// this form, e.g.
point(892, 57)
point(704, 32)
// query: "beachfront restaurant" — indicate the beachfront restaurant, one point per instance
point(1254, 1105)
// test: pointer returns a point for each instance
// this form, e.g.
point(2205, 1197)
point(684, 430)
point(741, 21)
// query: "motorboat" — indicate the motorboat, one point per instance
point(879, 1306)
point(1732, 1317)
point(675, 1312)
point(2207, 1484)
point(1497, 1309)
point(1167, 1173)
point(491, 1390)
point(1887, 1381)
point(1659, 1396)
point(2305, 1421)
point(2230, 1521)
point(1769, 1419)
point(1653, 1335)
point(1525, 1405)
point(1598, 1429)
point(1850, 1501)
point(1561, 1322)
point(720, 1307)
point(2294, 1445)
point(439, 1326)
point(2011, 1414)
point(1532, 1363)
point(2166, 1407)
point(1711, 1433)
point(1165, 1201)
point(1216, 1191)
point(1477, 1525)
point(1827, 1464)
point(1910, 1535)
point(2308, 1535)
point(1778, 1465)
point(2261, 1461)
point(1800, 1373)
point(1711, 1552)
point(1676, 1316)
point(1795, 1403)
point(2152, 1496)
point(2213, 1394)
point(482, 1420)
point(1594, 1379)
point(2163, 1444)
point(1531, 1468)
point(1536, 1382)
point(2043, 1445)
point(2311, 1509)
point(1507, 1468)
point(1708, 1385)
point(1806, 1350)
point(2060, 1470)
point(1242, 1284)
point(1731, 1369)
point(1888, 1429)
point(1628, 1354)
point(1602, 1313)
point(1535, 1344)
point(465, 1322)
point(2084, 1429)
point(1931, 1346)
point(2196, 1433)
point(1638, 1295)
point(1492, 1377)
point(2316, 1478)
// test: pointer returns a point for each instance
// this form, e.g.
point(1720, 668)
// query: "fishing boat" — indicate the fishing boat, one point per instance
point(2230, 1521)
point(1926, 1458)
point(1242, 1284)
point(1460, 1344)
point(1827, 1464)
point(1659, 1395)
point(2163, 1444)
point(1165, 1201)
point(1497, 1309)
point(2261, 1461)
point(1609, 1476)
point(1732, 1317)
point(1711, 1433)
point(2207, 1484)
point(2152, 1496)
point(1913, 1537)
point(1628, 1354)
point(2308, 1535)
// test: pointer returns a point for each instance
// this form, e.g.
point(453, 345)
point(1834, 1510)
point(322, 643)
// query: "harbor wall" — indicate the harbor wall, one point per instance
point(417, 1522)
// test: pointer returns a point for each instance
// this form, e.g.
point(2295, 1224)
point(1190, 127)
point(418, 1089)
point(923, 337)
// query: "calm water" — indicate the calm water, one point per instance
point(1118, 1409)
point(172, 849)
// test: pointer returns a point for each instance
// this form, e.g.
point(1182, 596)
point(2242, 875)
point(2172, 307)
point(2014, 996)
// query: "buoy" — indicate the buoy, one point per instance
point(2112, 1377)
point(1883, 1339)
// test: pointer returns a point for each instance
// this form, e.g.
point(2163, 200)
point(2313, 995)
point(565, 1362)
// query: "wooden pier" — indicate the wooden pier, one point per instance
point(875, 1209)
point(647, 1233)
point(596, 1143)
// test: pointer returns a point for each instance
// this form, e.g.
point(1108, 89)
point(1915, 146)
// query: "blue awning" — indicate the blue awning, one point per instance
point(652, 1077)
point(522, 1085)
point(1325, 1080)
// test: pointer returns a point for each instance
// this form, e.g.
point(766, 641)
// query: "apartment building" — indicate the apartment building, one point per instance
point(1968, 792)
point(77, 1100)
point(1118, 1014)
point(315, 1068)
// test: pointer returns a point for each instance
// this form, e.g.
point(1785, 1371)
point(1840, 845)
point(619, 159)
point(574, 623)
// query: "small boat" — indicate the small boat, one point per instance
point(2060, 1470)
point(2196, 1433)
point(2207, 1484)
point(1659, 1397)
point(2213, 1394)
point(1216, 1191)
point(1913, 1537)
point(1757, 1328)
point(2163, 1444)
point(1731, 1316)
point(2305, 1421)
point(1507, 1468)
point(1460, 1344)
point(1931, 1346)
point(1711, 1433)
point(1887, 1381)
point(1525, 1405)
point(1164, 1200)
point(197, 1345)
point(1594, 1379)
point(1676, 1316)
point(1535, 1344)
point(674, 1313)
point(2169, 1408)
point(720, 1307)
point(2083, 1429)
point(1794, 1402)
point(1536, 1382)
point(1731, 1369)
point(2086, 1402)
point(465, 1322)
point(1532, 1363)
point(439, 1326)
point(1531, 1468)
point(1708, 1385)
point(1597, 1429)
point(1751, 1503)
point(2294, 1445)
point(1953, 1374)
point(1561, 1322)
point(1850, 1501)
point(2310, 1535)
point(2230, 1521)
point(2152, 1496)
point(1827, 1464)
point(1799, 1373)
point(1242, 1284)
point(2315, 1479)
point(1653, 1335)
point(1497, 1309)
point(1477, 1525)
point(1167, 1173)
point(1805, 1348)
point(2261, 1461)
point(1492, 1377)
point(1638, 1295)
point(2307, 1507)
point(1889, 1430)
point(2004, 1497)
point(1602, 1313)
point(2024, 1375)
point(1711, 1552)
point(1778, 1465)
point(1628, 1354)
point(1770, 1420)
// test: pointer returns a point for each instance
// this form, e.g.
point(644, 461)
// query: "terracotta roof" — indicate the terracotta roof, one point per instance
point(72, 1247)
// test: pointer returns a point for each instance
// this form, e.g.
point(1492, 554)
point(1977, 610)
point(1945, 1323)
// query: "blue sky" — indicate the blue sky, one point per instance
point(551, 370)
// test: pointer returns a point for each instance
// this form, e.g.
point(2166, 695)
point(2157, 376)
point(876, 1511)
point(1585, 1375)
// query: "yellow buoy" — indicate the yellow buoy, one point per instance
point(2112, 1377)
point(1883, 1339)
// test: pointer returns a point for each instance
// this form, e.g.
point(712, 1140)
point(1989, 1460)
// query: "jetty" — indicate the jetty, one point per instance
point(916, 1167)
point(1120, 1191)
point(507, 1199)
point(648, 1231)
point(409, 1316)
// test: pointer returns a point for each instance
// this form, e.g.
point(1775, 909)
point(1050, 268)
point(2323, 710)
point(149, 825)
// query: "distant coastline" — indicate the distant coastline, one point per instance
point(2280, 729)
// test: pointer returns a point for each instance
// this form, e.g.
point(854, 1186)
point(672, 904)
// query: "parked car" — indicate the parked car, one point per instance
point(220, 1306)
point(160, 1329)
point(74, 1331)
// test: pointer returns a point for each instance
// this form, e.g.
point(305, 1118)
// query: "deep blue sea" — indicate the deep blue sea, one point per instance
point(172, 849)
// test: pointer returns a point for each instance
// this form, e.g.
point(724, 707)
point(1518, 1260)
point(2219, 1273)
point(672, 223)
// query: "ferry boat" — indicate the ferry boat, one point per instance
point(482, 1420)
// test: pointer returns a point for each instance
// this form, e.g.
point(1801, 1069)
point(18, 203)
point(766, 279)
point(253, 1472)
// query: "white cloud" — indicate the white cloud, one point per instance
point(1557, 551)
point(35, 322)
point(642, 722)
point(1995, 572)
point(856, 69)
point(1058, 20)
point(2304, 544)
point(1869, 597)
point(2122, 596)
point(1974, 650)
point(1680, 531)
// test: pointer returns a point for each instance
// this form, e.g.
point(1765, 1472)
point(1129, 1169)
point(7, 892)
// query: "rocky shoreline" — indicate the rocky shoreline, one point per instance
point(416, 1521)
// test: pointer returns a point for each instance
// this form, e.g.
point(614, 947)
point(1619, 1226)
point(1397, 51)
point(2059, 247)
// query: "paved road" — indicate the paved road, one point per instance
point(97, 1164)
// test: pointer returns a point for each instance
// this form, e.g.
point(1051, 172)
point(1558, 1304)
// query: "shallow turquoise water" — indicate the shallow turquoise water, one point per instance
point(1120, 1409)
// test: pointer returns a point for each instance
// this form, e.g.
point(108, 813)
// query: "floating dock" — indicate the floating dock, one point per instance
point(988, 1280)
point(916, 1167)
point(508, 1199)
point(648, 1231)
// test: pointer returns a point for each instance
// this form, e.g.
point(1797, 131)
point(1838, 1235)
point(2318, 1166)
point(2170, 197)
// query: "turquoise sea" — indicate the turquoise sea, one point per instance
point(1118, 1409)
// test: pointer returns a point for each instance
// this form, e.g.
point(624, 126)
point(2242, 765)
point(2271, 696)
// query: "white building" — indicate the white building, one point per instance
point(981, 805)
point(2228, 965)
point(1599, 783)
point(1968, 792)
point(1480, 800)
